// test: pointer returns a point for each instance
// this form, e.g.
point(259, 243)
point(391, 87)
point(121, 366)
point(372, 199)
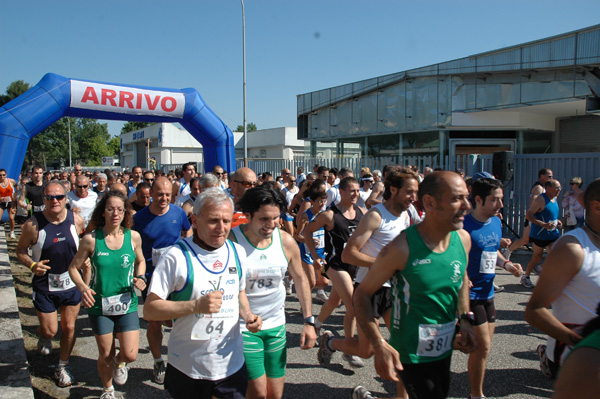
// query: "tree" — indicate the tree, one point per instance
point(14, 90)
point(114, 146)
point(131, 126)
point(251, 127)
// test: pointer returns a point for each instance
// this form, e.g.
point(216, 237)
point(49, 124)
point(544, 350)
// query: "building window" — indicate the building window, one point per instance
point(383, 146)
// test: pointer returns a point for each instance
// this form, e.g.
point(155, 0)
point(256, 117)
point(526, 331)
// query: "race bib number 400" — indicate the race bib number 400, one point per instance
point(116, 305)
point(59, 282)
point(435, 339)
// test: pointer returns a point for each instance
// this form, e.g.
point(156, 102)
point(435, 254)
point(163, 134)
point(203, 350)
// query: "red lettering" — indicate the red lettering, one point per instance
point(109, 95)
point(90, 95)
point(151, 105)
point(138, 104)
point(163, 104)
point(125, 97)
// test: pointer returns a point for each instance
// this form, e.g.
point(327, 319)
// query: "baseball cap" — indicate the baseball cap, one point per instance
point(483, 175)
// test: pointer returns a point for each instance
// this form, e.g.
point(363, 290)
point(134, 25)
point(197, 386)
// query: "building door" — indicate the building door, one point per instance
point(460, 149)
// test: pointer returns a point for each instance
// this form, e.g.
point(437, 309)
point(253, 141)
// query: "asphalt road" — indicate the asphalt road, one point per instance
point(512, 372)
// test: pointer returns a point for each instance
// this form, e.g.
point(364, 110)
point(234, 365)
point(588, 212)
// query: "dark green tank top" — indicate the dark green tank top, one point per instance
point(425, 300)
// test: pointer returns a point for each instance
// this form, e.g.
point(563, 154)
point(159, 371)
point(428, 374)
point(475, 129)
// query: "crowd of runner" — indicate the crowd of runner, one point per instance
point(214, 257)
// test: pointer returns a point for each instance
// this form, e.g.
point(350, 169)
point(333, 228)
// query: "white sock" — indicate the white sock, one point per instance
point(160, 359)
point(63, 363)
point(109, 389)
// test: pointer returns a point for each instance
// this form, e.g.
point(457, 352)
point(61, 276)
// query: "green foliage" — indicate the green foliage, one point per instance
point(114, 147)
point(131, 126)
point(250, 126)
point(14, 90)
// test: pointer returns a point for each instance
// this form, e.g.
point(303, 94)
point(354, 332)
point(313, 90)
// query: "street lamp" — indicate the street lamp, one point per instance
point(244, 71)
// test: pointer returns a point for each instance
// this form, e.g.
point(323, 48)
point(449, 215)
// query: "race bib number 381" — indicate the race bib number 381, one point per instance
point(435, 339)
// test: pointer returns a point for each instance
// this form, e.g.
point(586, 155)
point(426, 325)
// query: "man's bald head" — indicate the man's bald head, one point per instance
point(161, 182)
point(120, 188)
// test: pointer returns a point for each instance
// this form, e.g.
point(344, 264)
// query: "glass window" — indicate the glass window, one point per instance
point(537, 142)
point(422, 143)
point(383, 146)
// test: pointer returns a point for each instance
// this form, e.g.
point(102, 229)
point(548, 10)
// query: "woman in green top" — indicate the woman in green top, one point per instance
point(116, 257)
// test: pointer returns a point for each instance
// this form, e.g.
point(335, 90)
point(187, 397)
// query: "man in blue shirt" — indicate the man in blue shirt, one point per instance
point(485, 230)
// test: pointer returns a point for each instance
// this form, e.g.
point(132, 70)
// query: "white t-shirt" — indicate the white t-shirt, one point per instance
point(333, 195)
point(86, 204)
point(363, 196)
point(210, 346)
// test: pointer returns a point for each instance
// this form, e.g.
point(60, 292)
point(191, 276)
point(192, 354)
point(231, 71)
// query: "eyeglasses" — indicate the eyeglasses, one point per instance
point(54, 197)
point(3, 175)
point(549, 176)
point(117, 210)
point(78, 170)
point(569, 183)
point(85, 186)
point(149, 179)
point(286, 173)
point(292, 181)
point(219, 173)
point(325, 176)
point(246, 184)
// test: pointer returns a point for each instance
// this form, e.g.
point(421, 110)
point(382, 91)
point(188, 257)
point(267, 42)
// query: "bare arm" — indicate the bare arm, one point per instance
point(299, 233)
point(187, 233)
point(140, 262)
point(351, 254)
point(86, 248)
point(175, 191)
point(535, 192)
point(375, 192)
point(466, 342)
point(323, 220)
point(537, 206)
point(253, 322)
point(308, 337)
point(28, 238)
point(391, 259)
point(561, 265)
point(21, 200)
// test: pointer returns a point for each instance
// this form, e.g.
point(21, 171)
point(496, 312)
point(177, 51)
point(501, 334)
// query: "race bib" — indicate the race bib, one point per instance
point(116, 305)
point(157, 253)
point(214, 326)
point(59, 282)
point(488, 262)
point(263, 280)
point(39, 208)
point(435, 339)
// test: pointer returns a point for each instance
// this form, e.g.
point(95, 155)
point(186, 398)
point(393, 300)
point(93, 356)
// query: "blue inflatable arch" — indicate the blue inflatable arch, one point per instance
point(56, 96)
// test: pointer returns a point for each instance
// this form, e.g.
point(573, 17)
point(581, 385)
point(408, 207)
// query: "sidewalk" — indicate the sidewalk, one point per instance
point(14, 369)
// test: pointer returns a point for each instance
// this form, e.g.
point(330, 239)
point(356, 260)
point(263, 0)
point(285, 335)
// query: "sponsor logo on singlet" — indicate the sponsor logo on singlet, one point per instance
point(421, 262)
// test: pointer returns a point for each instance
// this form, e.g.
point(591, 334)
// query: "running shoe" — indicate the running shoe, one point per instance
point(12, 234)
point(321, 296)
point(360, 392)
point(526, 282)
point(544, 366)
point(288, 285)
point(44, 346)
point(159, 372)
point(498, 288)
point(538, 269)
point(120, 373)
point(353, 361)
point(108, 394)
point(63, 376)
point(324, 354)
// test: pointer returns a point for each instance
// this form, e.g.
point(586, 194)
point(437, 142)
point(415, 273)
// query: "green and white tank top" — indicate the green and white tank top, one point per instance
point(265, 270)
point(425, 300)
point(112, 271)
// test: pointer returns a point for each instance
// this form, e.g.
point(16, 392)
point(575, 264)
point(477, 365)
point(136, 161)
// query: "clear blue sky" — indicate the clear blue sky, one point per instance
point(292, 46)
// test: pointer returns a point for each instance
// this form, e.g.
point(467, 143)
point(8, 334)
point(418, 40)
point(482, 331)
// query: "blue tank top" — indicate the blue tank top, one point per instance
point(548, 214)
point(57, 243)
point(485, 241)
point(317, 235)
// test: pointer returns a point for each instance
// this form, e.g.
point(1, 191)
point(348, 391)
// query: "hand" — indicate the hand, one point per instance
point(28, 207)
point(308, 337)
point(387, 361)
point(254, 323)
point(470, 284)
point(139, 283)
point(40, 268)
point(210, 303)
point(465, 340)
point(76, 209)
point(319, 263)
point(505, 242)
point(559, 224)
point(87, 297)
point(514, 268)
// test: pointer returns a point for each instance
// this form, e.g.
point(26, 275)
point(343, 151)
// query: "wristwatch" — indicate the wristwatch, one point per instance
point(310, 321)
point(143, 278)
point(469, 317)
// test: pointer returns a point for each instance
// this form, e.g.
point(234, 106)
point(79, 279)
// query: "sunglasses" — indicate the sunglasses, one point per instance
point(246, 184)
point(54, 197)
point(149, 179)
point(86, 186)
point(292, 181)
point(2, 175)
point(219, 173)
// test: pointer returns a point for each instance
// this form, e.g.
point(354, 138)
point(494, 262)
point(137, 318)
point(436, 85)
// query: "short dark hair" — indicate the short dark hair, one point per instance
point(592, 193)
point(395, 178)
point(543, 172)
point(345, 172)
point(186, 165)
point(346, 181)
point(431, 185)
point(483, 187)
point(317, 189)
point(259, 196)
point(322, 169)
point(142, 185)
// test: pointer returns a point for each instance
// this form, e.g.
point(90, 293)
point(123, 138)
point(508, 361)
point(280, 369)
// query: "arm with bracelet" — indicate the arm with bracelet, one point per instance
point(514, 268)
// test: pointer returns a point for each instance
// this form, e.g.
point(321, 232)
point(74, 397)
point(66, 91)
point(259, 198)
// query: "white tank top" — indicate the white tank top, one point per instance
point(389, 229)
point(265, 270)
point(578, 302)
